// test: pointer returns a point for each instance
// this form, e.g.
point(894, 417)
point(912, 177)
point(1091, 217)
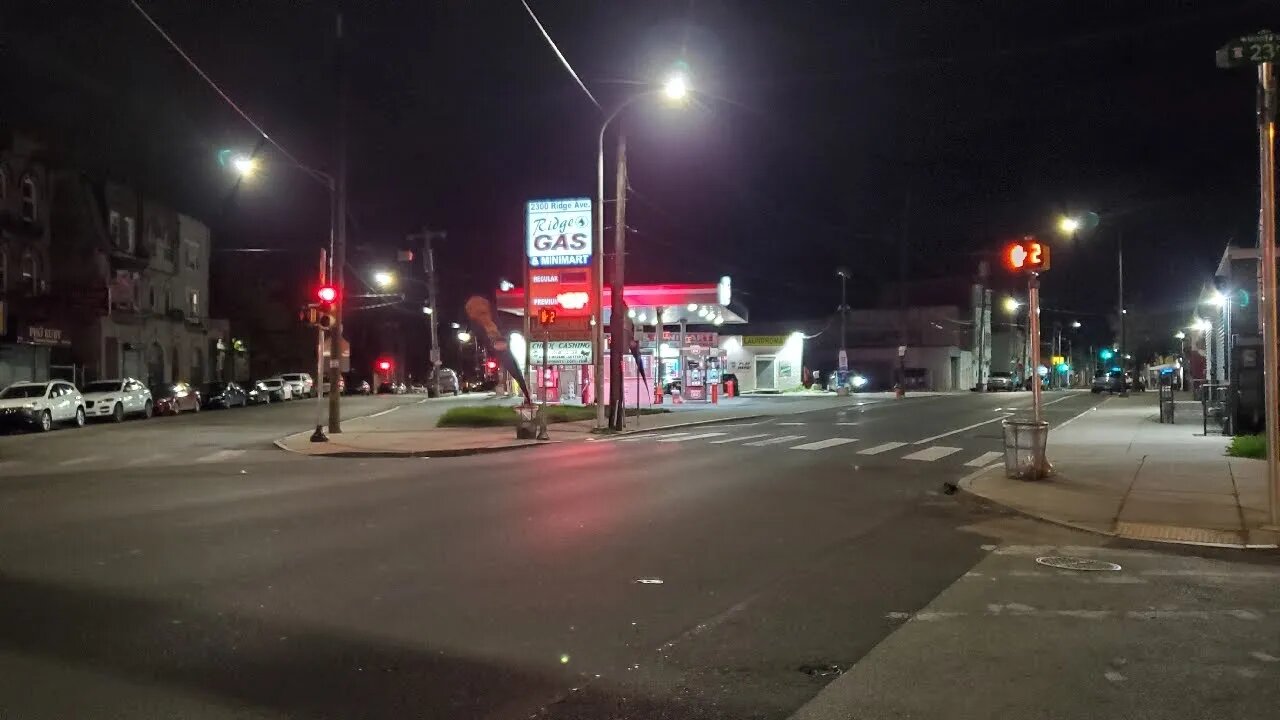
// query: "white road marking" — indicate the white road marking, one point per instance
point(824, 444)
point(692, 437)
point(791, 423)
point(220, 455)
point(848, 424)
point(984, 459)
point(380, 414)
point(960, 430)
point(775, 441)
point(640, 438)
point(146, 460)
point(80, 460)
point(885, 447)
point(929, 454)
point(739, 439)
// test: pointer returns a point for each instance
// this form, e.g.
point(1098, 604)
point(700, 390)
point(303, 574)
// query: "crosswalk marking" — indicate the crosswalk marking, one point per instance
point(775, 441)
point(691, 437)
point(932, 453)
point(640, 438)
point(885, 447)
point(220, 456)
point(984, 459)
point(80, 460)
point(738, 439)
point(824, 444)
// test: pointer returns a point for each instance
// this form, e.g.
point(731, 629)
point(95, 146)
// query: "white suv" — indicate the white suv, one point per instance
point(300, 383)
point(40, 405)
point(117, 398)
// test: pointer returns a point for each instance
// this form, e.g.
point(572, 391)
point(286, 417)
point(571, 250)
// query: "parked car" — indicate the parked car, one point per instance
point(277, 389)
point(40, 405)
point(342, 386)
point(1000, 380)
point(174, 398)
point(449, 383)
point(258, 392)
point(300, 383)
point(1114, 382)
point(116, 399)
point(364, 388)
point(223, 395)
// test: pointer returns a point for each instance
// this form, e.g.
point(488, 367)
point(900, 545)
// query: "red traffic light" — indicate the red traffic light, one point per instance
point(327, 294)
point(384, 365)
point(491, 364)
point(1026, 255)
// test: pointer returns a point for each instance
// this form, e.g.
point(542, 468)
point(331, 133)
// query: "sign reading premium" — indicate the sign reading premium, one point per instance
point(562, 352)
point(558, 232)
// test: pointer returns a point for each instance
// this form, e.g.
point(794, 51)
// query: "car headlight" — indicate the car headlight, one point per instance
point(859, 381)
point(107, 400)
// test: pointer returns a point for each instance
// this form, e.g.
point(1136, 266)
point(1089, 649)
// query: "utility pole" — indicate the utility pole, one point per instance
point(902, 289)
point(1120, 310)
point(340, 244)
point(617, 319)
point(318, 435)
point(1267, 238)
point(433, 321)
point(842, 359)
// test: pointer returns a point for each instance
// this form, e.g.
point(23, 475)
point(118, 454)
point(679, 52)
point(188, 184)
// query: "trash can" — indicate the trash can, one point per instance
point(1024, 449)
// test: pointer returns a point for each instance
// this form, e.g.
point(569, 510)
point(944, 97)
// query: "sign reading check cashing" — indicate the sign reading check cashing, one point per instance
point(562, 352)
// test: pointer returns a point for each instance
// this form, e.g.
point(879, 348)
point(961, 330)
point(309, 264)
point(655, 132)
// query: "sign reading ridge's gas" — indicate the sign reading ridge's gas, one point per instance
point(558, 232)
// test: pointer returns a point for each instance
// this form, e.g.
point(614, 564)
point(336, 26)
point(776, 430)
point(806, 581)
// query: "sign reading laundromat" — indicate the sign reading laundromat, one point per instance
point(558, 232)
point(562, 352)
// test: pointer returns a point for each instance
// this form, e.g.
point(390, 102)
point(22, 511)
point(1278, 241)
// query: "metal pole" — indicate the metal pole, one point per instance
point(340, 244)
point(429, 259)
point(1033, 323)
point(659, 374)
point(318, 435)
point(597, 263)
point(1267, 239)
point(1120, 309)
point(618, 314)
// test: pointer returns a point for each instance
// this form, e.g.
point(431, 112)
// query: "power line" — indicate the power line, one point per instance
point(559, 54)
point(213, 85)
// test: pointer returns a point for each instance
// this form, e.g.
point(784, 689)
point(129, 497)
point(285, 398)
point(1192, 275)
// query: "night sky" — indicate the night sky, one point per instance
point(823, 133)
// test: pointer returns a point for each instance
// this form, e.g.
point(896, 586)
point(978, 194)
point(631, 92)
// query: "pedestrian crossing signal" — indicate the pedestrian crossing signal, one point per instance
point(1026, 255)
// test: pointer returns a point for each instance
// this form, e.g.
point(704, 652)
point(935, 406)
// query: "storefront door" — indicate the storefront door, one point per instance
point(764, 373)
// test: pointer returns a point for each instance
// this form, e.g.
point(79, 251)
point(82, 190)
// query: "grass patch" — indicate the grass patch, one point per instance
point(1248, 446)
point(506, 416)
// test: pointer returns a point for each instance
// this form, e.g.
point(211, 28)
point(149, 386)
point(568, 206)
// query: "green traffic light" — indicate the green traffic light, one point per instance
point(1106, 354)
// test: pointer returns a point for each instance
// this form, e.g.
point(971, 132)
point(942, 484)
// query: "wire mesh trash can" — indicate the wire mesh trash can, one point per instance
point(1024, 449)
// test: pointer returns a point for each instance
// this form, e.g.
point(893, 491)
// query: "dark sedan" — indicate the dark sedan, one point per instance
point(223, 395)
point(174, 398)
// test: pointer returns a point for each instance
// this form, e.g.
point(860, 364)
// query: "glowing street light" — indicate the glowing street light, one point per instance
point(1068, 225)
point(244, 166)
point(464, 336)
point(676, 88)
point(1011, 305)
point(1075, 324)
point(1201, 325)
point(1217, 299)
point(384, 279)
point(505, 285)
point(1180, 335)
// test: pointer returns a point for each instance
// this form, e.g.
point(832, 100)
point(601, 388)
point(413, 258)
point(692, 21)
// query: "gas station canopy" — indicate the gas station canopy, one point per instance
point(694, 303)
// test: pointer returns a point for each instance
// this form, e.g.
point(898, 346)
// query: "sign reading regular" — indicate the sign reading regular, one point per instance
point(558, 232)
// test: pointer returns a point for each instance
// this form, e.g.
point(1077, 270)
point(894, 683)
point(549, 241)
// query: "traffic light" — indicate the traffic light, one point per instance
point(1106, 353)
point(546, 316)
point(1026, 255)
point(326, 315)
point(490, 365)
point(384, 366)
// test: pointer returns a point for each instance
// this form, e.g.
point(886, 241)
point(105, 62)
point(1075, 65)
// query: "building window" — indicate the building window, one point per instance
point(30, 269)
point(4, 270)
point(168, 246)
point(30, 200)
point(193, 304)
point(191, 250)
point(127, 241)
point(113, 228)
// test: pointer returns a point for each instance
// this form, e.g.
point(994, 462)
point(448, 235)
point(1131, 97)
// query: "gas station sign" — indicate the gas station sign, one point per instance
point(565, 290)
point(558, 232)
point(562, 352)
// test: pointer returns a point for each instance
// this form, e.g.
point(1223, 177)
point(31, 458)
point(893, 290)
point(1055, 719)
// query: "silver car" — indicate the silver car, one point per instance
point(1001, 381)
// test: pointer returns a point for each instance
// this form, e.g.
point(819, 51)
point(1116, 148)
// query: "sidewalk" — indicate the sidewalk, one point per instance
point(410, 431)
point(1120, 472)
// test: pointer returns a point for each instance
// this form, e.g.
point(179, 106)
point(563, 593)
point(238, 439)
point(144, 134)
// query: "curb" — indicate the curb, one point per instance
point(592, 437)
point(1143, 532)
point(451, 452)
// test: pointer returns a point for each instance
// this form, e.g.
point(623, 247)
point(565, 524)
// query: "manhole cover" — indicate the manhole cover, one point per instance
point(1076, 563)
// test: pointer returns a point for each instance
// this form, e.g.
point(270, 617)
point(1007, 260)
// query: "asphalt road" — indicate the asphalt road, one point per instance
point(728, 571)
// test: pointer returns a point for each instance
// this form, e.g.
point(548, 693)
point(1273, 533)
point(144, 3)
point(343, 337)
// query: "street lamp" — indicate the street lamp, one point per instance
point(1011, 305)
point(1217, 299)
point(244, 166)
point(464, 337)
point(1075, 324)
point(675, 89)
point(505, 285)
point(1068, 225)
point(384, 279)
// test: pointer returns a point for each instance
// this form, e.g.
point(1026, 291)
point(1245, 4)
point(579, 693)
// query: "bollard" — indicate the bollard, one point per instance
point(715, 393)
point(657, 395)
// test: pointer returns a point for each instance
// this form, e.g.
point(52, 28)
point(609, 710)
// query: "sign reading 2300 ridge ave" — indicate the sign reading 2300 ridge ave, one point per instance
point(558, 232)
